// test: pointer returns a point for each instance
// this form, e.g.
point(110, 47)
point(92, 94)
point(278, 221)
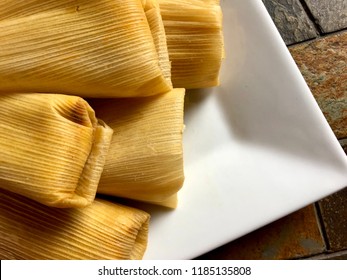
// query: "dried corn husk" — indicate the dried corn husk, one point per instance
point(145, 161)
point(53, 148)
point(156, 25)
point(88, 48)
point(170, 202)
point(103, 230)
point(195, 41)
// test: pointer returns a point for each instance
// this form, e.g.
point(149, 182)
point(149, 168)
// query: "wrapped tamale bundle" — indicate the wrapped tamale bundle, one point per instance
point(52, 148)
point(145, 160)
point(170, 202)
point(99, 48)
point(195, 41)
point(156, 25)
point(103, 230)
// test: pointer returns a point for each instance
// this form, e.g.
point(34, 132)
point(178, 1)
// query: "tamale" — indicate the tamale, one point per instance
point(145, 160)
point(170, 202)
point(98, 48)
point(156, 25)
point(103, 230)
point(195, 41)
point(52, 148)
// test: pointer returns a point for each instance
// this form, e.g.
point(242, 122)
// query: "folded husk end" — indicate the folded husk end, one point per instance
point(103, 230)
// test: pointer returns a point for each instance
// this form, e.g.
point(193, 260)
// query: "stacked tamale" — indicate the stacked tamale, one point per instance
point(195, 41)
point(64, 159)
point(97, 48)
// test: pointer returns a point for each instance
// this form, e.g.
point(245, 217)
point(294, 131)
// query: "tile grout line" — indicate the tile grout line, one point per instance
point(319, 37)
point(321, 226)
point(310, 15)
point(321, 256)
point(303, 42)
point(332, 254)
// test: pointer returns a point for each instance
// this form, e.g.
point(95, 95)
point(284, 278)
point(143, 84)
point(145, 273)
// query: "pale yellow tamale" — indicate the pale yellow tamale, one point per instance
point(145, 160)
point(52, 148)
point(103, 230)
point(156, 25)
point(90, 48)
point(195, 41)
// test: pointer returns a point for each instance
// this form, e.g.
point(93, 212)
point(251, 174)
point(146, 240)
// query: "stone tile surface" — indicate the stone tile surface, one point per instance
point(294, 236)
point(343, 143)
point(340, 255)
point(291, 20)
point(334, 214)
point(323, 63)
point(330, 15)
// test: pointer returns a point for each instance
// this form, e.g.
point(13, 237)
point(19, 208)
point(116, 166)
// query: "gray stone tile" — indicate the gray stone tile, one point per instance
point(330, 15)
point(343, 143)
point(291, 20)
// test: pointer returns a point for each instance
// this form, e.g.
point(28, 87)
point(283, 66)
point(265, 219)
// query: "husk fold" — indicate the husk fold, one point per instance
point(195, 41)
point(103, 230)
point(88, 48)
point(53, 148)
point(145, 160)
point(156, 25)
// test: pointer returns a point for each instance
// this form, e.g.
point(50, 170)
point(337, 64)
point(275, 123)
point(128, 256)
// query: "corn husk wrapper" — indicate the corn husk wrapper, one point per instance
point(87, 48)
point(156, 25)
point(145, 161)
point(103, 230)
point(195, 41)
point(53, 148)
point(170, 202)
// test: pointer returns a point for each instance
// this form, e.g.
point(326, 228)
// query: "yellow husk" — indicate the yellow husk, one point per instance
point(156, 25)
point(103, 230)
point(145, 160)
point(170, 202)
point(88, 48)
point(195, 41)
point(53, 148)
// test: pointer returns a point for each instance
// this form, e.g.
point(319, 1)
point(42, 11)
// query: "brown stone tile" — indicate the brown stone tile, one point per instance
point(323, 63)
point(334, 214)
point(294, 236)
point(330, 15)
point(291, 20)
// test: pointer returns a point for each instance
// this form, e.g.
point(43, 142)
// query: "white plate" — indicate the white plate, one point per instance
point(256, 148)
